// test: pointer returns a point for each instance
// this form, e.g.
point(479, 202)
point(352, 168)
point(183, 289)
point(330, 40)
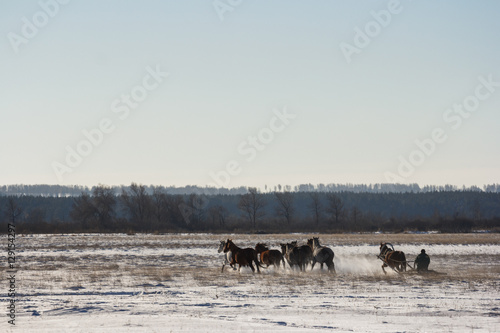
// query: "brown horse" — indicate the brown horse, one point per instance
point(269, 257)
point(242, 257)
point(393, 259)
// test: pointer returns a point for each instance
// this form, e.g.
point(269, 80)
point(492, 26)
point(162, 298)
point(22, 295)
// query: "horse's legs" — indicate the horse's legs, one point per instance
point(251, 266)
point(384, 265)
point(231, 263)
point(222, 270)
point(321, 266)
point(331, 266)
point(314, 263)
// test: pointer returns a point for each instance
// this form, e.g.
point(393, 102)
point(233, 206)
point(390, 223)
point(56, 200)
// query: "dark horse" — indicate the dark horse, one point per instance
point(394, 259)
point(297, 255)
point(269, 257)
point(242, 257)
point(321, 254)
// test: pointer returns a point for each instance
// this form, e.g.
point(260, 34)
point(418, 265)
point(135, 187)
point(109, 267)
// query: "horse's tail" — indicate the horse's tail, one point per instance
point(281, 259)
point(259, 264)
point(256, 261)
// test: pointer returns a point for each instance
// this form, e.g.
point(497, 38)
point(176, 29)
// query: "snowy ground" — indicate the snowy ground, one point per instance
point(173, 283)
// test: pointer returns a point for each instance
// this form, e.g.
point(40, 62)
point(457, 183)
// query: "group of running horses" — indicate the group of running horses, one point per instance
point(295, 255)
point(298, 256)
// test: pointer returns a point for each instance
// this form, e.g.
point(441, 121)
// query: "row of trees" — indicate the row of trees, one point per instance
point(138, 208)
point(76, 190)
point(134, 209)
point(253, 204)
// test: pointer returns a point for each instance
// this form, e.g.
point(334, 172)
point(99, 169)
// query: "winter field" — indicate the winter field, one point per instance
point(173, 283)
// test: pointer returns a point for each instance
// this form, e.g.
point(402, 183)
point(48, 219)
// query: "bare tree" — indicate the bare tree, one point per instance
point(252, 205)
point(174, 212)
point(104, 201)
point(96, 211)
point(213, 212)
point(315, 206)
point(355, 215)
point(476, 210)
point(335, 207)
point(159, 204)
point(84, 212)
point(138, 205)
point(36, 216)
point(222, 212)
point(197, 204)
point(13, 210)
point(285, 208)
point(218, 215)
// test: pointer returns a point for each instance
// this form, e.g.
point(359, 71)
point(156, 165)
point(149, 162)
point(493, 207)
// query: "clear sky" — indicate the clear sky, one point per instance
point(249, 93)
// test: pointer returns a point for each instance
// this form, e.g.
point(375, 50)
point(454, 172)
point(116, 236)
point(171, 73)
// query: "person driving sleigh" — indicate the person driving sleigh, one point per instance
point(422, 261)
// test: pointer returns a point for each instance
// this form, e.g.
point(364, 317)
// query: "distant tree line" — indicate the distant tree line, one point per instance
point(76, 190)
point(140, 208)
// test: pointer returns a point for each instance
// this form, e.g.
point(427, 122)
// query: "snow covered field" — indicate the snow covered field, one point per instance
point(173, 283)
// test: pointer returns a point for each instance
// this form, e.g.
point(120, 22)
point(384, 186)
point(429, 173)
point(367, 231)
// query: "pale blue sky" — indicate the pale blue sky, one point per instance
point(354, 121)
